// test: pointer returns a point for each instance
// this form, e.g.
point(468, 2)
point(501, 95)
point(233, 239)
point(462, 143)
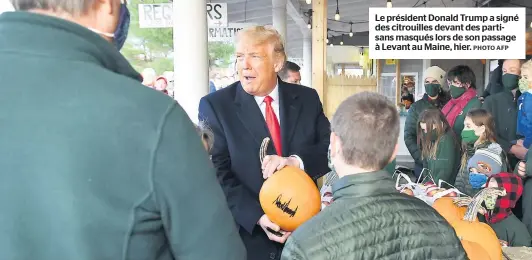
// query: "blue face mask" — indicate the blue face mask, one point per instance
point(477, 180)
point(120, 34)
point(123, 27)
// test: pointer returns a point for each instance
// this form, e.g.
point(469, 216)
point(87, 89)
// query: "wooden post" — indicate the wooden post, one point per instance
point(319, 53)
point(379, 72)
point(319, 47)
point(398, 81)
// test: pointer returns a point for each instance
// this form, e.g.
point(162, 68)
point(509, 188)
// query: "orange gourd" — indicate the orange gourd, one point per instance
point(449, 210)
point(474, 251)
point(482, 234)
point(289, 197)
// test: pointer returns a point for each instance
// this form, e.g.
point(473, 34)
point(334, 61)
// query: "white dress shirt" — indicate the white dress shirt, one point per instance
point(275, 105)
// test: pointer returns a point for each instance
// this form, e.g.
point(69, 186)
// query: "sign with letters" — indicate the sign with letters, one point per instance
point(160, 15)
point(217, 14)
point(225, 34)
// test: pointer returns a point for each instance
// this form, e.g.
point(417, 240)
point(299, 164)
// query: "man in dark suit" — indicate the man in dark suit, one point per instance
point(261, 105)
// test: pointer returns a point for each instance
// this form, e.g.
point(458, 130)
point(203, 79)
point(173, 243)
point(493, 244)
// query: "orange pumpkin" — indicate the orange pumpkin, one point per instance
point(289, 198)
point(482, 234)
point(474, 251)
point(449, 210)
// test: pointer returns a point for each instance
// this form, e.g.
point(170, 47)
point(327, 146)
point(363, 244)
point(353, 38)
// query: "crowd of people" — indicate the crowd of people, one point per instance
point(107, 168)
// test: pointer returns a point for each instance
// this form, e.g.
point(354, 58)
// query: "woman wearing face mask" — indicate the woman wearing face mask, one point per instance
point(439, 147)
point(461, 80)
point(111, 169)
point(434, 97)
point(479, 134)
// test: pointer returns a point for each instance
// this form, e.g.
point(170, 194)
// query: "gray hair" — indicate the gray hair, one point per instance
point(73, 7)
point(367, 125)
point(206, 134)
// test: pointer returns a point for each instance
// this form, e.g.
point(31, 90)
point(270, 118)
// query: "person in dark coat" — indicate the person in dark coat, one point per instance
point(369, 219)
point(241, 115)
point(434, 97)
point(503, 107)
point(94, 165)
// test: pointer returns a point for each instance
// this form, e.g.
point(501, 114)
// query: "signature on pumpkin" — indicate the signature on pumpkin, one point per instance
point(284, 206)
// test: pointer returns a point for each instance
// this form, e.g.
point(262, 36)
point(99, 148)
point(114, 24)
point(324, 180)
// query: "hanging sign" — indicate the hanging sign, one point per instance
point(160, 15)
point(226, 34)
point(390, 62)
point(217, 14)
point(155, 16)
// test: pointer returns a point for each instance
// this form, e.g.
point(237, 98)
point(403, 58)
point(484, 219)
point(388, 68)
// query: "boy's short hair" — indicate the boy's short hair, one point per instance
point(527, 66)
point(368, 126)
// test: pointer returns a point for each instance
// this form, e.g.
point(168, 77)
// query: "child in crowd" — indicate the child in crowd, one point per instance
point(478, 133)
point(505, 224)
point(440, 150)
point(484, 163)
point(524, 104)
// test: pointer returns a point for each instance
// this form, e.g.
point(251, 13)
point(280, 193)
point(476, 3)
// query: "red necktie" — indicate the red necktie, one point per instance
point(273, 125)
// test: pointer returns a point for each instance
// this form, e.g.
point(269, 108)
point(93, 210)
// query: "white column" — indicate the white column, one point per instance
point(191, 64)
point(306, 75)
point(279, 17)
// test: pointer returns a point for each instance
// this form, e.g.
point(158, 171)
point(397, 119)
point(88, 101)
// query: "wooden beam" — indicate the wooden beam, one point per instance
point(399, 81)
point(319, 47)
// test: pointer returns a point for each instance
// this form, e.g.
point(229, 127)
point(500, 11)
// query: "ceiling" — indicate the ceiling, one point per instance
point(356, 11)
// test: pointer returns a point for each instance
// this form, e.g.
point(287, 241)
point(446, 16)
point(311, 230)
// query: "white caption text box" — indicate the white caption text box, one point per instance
point(447, 33)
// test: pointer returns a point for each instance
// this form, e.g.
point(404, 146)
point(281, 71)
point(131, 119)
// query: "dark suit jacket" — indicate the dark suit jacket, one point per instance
point(239, 128)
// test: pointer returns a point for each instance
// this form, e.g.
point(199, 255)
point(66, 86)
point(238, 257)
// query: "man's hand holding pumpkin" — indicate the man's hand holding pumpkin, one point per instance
point(265, 223)
point(273, 163)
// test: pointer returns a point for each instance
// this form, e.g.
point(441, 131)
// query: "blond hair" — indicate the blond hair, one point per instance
point(264, 35)
point(527, 66)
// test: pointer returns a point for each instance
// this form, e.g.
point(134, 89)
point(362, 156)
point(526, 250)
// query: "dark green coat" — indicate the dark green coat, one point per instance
point(459, 122)
point(446, 163)
point(513, 231)
point(93, 164)
point(369, 219)
point(410, 132)
point(503, 108)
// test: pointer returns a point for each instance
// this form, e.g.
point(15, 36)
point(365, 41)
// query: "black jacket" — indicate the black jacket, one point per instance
point(239, 128)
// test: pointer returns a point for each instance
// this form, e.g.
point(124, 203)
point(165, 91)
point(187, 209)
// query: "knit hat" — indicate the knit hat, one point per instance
point(487, 160)
point(436, 73)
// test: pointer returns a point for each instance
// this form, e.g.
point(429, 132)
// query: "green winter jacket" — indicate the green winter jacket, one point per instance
point(369, 220)
point(446, 163)
point(94, 165)
point(410, 132)
point(503, 108)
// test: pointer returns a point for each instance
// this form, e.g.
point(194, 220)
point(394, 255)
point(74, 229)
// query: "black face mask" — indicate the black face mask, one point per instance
point(510, 81)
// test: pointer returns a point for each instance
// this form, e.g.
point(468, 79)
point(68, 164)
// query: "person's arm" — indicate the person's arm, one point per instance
point(315, 156)
point(246, 210)
point(293, 251)
point(410, 134)
point(191, 203)
point(443, 166)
